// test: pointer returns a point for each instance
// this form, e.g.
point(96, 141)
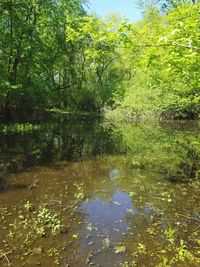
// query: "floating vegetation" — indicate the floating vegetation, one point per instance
point(40, 222)
point(120, 249)
point(106, 243)
point(19, 128)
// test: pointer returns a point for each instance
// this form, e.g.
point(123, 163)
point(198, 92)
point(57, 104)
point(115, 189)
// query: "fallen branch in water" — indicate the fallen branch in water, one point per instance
point(4, 255)
point(188, 217)
point(34, 184)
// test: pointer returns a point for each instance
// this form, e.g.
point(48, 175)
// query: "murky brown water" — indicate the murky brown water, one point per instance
point(96, 194)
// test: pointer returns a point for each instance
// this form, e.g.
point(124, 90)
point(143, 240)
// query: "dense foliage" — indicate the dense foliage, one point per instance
point(36, 64)
point(165, 66)
point(55, 56)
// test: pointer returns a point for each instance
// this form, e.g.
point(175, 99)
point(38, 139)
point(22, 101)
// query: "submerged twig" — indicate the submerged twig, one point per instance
point(4, 255)
point(188, 217)
point(34, 184)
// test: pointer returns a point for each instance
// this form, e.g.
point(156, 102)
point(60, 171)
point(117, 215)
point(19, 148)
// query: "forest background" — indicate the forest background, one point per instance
point(55, 56)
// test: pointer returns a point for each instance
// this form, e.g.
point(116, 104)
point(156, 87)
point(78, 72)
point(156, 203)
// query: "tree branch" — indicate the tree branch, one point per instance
point(168, 45)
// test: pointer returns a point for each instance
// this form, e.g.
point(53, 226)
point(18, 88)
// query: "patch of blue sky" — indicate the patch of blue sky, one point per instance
point(125, 8)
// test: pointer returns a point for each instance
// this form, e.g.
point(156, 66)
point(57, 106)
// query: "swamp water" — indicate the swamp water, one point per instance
point(89, 193)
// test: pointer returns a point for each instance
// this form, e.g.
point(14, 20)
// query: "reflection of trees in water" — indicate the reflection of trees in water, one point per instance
point(173, 152)
point(72, 141)
point(4, 183)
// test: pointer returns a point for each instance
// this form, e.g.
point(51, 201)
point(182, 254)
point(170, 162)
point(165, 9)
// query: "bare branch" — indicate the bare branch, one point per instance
point(168, 45)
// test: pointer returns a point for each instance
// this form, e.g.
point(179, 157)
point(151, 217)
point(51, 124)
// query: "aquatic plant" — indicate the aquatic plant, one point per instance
point(19, 128)
point(47, 221)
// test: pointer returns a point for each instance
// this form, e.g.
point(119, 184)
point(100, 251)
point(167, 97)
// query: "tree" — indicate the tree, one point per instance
point(165, 76)
point(98, 42)
point(33, 51)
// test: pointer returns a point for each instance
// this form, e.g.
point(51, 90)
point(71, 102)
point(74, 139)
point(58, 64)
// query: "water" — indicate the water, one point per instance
point(92, 193)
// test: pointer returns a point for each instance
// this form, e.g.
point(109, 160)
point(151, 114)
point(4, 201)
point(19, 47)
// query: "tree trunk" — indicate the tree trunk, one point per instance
point(7, 111)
